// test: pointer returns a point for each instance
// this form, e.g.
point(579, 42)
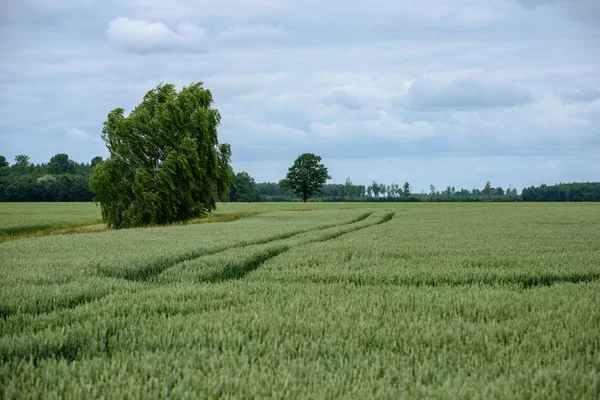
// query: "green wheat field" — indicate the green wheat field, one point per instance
point(291, 300)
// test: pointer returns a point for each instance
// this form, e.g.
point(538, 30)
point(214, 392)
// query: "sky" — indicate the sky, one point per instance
point(454, 92)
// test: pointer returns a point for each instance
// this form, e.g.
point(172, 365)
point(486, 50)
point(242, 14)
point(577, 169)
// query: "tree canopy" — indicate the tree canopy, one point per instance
point(166, 163)
point(583, 191)
point(306, 176)
point(243, 188)
point(62, 179)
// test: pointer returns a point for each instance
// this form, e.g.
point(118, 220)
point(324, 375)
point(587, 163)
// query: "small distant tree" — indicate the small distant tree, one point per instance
point(21, 161)
point(432, 190)
point(487, 189)
point(46, 185)
point(406, 189)
point(349, 188)
point(96, 160)
point(243, 188)
point(306, 176)
point(376, 187)
point(60, 164)
point(360, 190)
point(3, 162)
point(393, 190)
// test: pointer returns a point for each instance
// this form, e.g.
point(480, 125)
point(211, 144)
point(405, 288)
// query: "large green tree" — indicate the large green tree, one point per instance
point(166, 163)
point(306, 176)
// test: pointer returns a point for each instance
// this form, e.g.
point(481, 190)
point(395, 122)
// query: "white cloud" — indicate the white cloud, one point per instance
point(450, 13)
point(246, 131)
point(377, 127)
point(143, 36)
point(552, 164)
point(78, 134)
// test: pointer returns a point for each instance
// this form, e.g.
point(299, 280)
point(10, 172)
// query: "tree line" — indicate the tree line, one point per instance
point(381, 192)
point(62, 179)
point(586, 191)
point(246, 189)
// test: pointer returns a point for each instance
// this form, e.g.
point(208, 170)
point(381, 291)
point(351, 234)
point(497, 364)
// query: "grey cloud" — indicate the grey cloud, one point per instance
point(581, 96)
point(465, 93)
point(259, 31)
point(584, 10)
point(536, 3)
point(344, 99)
point(321, 79)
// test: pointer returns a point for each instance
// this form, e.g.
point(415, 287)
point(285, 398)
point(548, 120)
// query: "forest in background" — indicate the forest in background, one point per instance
point(62, 179)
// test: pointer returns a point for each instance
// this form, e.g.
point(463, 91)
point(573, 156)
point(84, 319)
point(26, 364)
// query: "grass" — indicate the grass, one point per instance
point(26, 220)
point(18, 220)
point(385, 301)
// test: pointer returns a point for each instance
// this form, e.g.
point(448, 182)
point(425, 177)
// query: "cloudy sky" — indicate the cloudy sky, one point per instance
point(451, 92)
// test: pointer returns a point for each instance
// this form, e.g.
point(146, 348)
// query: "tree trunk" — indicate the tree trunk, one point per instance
point(304, 197)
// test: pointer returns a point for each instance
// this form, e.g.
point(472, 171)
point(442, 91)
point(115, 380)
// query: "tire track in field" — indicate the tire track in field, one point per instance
point(149, 271)
point(525, 282)
point(241, 269)
point(66, 304)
